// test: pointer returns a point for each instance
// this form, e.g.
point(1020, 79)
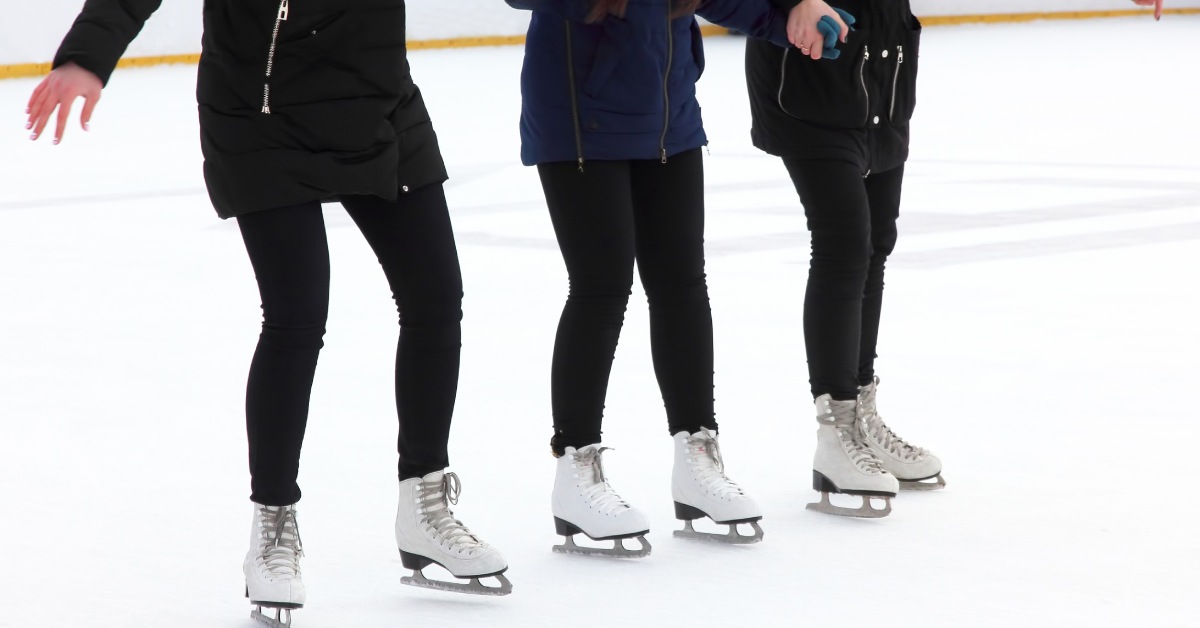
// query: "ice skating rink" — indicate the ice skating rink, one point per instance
point(1039, 335)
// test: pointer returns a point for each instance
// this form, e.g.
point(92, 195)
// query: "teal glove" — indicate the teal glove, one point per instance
point(830, 29)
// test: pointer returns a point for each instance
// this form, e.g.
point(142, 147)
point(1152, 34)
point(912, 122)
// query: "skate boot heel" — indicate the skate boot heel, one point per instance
point(565, 528)
point(414, 561)
point(821, 484)
point(683, 512)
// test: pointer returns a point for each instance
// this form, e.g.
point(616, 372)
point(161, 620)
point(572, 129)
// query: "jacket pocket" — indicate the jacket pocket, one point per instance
point(903, 88)
point(831, 93)
point(316, 39)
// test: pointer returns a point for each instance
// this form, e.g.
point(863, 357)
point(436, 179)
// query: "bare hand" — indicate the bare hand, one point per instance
point(59, 91)
point(1157, 6)
point(802, 26)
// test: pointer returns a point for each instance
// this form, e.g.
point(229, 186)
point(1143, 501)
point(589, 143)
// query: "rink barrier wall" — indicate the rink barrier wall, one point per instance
point(27, 70)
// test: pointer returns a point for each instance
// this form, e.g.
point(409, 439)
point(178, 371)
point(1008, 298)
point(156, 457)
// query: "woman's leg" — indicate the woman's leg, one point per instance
point(414, 242)
point(669, 213)
point(839, 217)
point(592, 212)
point(883, 193)
point(290, 256)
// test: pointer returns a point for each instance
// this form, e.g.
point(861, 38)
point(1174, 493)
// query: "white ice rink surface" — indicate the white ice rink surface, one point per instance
point(1039, 335)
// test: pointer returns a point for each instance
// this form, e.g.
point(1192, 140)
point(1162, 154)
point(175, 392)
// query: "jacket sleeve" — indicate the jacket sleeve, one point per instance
point(574, 10)
point(756, 18)
point(785, 5)
point(102, 32)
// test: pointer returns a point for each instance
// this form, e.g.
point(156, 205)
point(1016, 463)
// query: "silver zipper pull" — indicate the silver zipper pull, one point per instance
point(899, 54)
point(663, 152)
point(866, 53)
point(283, 11)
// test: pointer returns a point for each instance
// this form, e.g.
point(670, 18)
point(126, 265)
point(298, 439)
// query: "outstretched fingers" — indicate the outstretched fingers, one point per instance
point(58, 92)
point(39, 92)
point(64, 112)
point(40, 117)
point(89, 105)
point(36, 103)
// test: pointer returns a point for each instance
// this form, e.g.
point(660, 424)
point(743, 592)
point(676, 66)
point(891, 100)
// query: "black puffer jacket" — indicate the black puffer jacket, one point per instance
point(300, 100)
point(855, 108)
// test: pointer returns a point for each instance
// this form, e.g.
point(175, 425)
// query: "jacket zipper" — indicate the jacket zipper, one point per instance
point(280, 18)
point(862, 69)
point(662, 142)
point(895, 78)
point(862, 79)
point(574, 96)
point(782, 81)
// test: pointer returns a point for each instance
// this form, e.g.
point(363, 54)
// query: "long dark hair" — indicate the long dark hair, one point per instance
point(601, 8)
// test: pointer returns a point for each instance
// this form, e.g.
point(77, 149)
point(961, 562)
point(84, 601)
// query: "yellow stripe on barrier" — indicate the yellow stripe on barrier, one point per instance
point(1005, 18)
point(26, 70)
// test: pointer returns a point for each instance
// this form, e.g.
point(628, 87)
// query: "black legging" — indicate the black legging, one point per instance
point(605, 218)
point(853, 225)
point(415, 245)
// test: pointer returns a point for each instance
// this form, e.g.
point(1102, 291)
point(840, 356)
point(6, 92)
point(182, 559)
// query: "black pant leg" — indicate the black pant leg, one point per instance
point(288, 250)
point(835, 203)
point(883, 193)
point(414, 242)
point(592, 212)
point(669, 215)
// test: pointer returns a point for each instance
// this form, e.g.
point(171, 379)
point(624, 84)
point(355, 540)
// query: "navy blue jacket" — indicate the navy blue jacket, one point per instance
point(622, 88)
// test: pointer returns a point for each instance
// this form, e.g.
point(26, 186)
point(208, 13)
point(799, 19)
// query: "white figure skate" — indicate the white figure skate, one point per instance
point(272, 565)
point(701, 489)
point(583, 501)
point(844, 463)
point(427, 533)
point(917, 469)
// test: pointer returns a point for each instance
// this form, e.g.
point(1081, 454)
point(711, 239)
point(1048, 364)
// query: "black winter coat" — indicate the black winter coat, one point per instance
point(300, 100)
point(855, 108)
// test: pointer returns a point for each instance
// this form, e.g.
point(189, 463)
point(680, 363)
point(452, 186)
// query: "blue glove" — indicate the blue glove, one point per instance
point(830, 29)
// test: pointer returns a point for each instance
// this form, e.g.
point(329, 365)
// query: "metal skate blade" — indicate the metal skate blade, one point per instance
point(282, 618)
point(473, 587)
point(618, 549)
point(732, 537)
point(936, 483)
point(865, 511)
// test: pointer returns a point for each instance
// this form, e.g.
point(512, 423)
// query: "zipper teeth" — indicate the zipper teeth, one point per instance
point(662, 143)
point(574, 96)
point(783, 79)
point(280, 18)
point(895, 79)
point(862, 79)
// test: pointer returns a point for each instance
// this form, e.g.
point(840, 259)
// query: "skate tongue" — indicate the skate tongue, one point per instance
point(436, 476)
